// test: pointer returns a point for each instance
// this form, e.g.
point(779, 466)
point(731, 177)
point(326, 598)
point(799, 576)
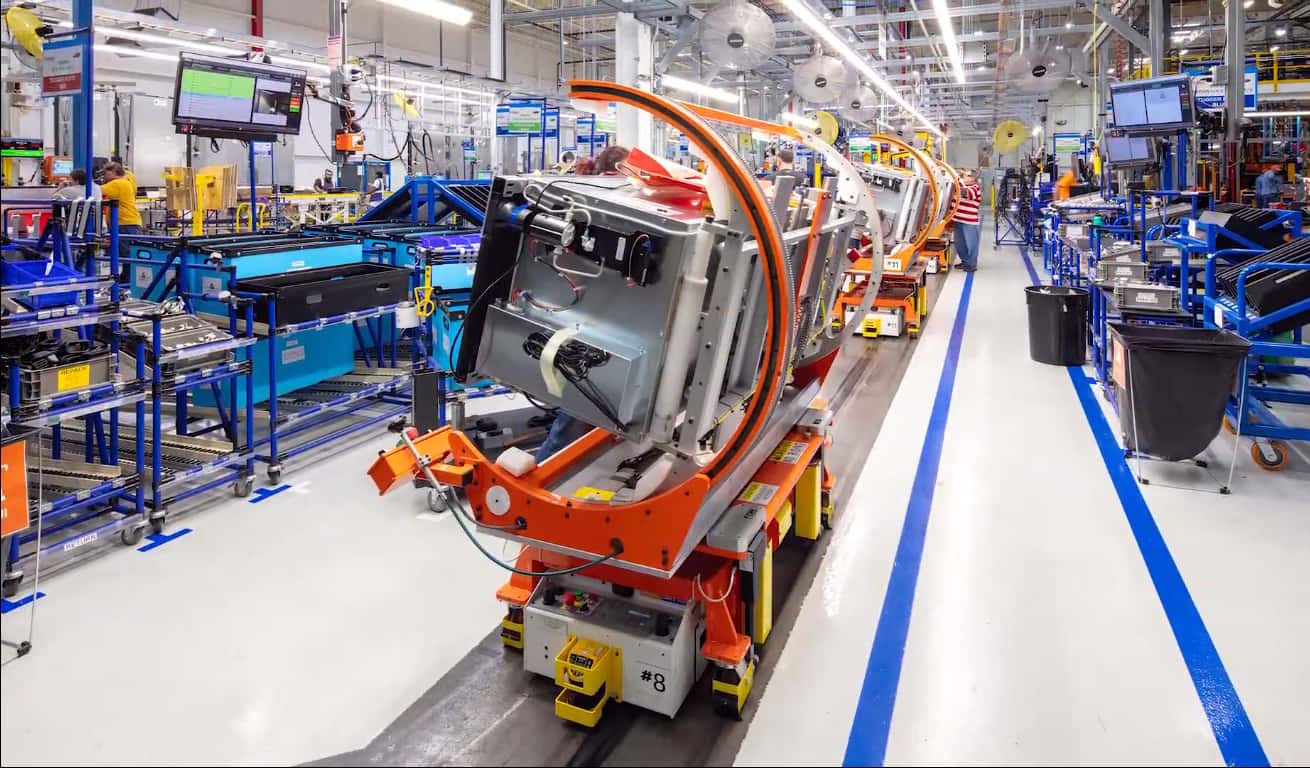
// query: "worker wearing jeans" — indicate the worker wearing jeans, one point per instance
point(967, 222)
point(1267, 188)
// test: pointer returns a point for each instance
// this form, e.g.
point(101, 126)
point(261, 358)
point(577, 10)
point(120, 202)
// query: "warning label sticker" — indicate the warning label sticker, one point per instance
point(758, 493)
point(788, 452)
point(587, 493)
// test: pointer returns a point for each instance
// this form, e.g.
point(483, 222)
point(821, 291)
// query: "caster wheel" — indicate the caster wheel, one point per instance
point(435, 501)
point(23, 648)
point(274, 476)
point(1270, 463)
point(243, 487)
point(131, 536)
point(157, 524)
point(10, 584)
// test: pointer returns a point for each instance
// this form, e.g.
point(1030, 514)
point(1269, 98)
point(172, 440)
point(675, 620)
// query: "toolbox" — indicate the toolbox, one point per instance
point(312, 294)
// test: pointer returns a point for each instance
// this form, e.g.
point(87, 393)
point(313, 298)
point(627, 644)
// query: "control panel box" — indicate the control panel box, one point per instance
point(660, 639)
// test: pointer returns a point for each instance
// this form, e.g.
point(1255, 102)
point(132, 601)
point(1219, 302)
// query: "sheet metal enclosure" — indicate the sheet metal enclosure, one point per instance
point(901, 196)
point(667, 333)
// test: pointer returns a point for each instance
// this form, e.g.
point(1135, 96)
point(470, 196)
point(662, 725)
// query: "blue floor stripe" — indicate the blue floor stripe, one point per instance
point(160, 539)
point(12, 605)
point(1233, 730)
point(867, 744)
point(263, 494)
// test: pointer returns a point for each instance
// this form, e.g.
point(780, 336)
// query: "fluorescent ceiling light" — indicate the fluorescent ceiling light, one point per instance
point(432, 84)
point(1248, 3)
point(123, 50)
point(700, 89)
point(287, 61)
point(1283, 113)
point(833, 42)
point(1280, 31)
point(1275, 48)
point(948, 38)
point(800, 121)
point(176, 42)
point(441, 11)
point(1182, 52)
point(1068, 24)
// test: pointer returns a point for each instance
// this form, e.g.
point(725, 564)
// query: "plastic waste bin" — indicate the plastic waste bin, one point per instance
point(1172, 385)
point(1057, 324)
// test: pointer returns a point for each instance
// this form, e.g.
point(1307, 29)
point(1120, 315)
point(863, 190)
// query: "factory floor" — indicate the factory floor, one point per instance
point(998, 589)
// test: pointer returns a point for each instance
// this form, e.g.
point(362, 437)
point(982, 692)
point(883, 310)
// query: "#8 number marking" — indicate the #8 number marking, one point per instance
point(655, 679)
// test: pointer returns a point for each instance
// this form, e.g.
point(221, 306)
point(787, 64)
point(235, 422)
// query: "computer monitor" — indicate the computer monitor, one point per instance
point(61, 166)
point(1158, 104)
point(1123, 151)
point(234, 98)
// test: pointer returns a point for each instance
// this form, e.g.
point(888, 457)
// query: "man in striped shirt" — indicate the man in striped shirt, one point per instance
point(967, 222)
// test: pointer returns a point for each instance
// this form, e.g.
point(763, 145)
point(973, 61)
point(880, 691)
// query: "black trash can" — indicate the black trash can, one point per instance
point(1172, 385)
point(1057, 324)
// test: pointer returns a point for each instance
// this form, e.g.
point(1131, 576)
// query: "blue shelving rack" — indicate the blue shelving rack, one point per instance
point(95, 511)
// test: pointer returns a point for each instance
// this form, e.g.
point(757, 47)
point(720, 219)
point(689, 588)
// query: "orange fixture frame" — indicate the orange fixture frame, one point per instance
point(651, 532)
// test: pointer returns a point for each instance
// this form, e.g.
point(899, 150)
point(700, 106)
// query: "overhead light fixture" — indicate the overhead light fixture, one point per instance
point(176, 42)
point(1068, 24)
point(1275, 48)
point(441, 11)
point(834, 43)
point(1248, 3)
point(977, 31)
point(123, 50)
point(800, 121)
point(287, 61)
point(948, 38)
point(1059, 47)
point(1182, 52)
point(1279, 113)
point(1280, 31)
point(700, 89)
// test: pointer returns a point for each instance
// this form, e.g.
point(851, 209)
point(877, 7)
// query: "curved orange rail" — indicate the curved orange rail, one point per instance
point(652, 531)
point(926, 164)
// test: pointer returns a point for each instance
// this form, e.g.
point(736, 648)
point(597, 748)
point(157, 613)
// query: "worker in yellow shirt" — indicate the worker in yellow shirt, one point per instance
point(120, 185)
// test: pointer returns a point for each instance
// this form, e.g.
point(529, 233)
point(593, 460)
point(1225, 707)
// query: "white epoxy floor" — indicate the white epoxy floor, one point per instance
point(301, 626)
point(274, 633)
point(1037, 635)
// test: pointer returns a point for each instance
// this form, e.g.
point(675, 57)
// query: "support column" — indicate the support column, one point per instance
point(1157, 33)
point(634, 65)
point(1235, 60)
point(496, 41)
point(83, 149)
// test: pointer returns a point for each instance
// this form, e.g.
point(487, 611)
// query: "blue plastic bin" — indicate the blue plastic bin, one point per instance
point(23, 274)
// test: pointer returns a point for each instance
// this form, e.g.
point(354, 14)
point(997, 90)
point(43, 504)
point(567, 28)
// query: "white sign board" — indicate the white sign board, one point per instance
point(61, 68)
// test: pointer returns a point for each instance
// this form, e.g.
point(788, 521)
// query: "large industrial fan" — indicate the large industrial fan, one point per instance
point(862, 107)
point(820, 80)
point(27, 30)
point(737, 35)
point(406, 103)
point(1009, 136)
